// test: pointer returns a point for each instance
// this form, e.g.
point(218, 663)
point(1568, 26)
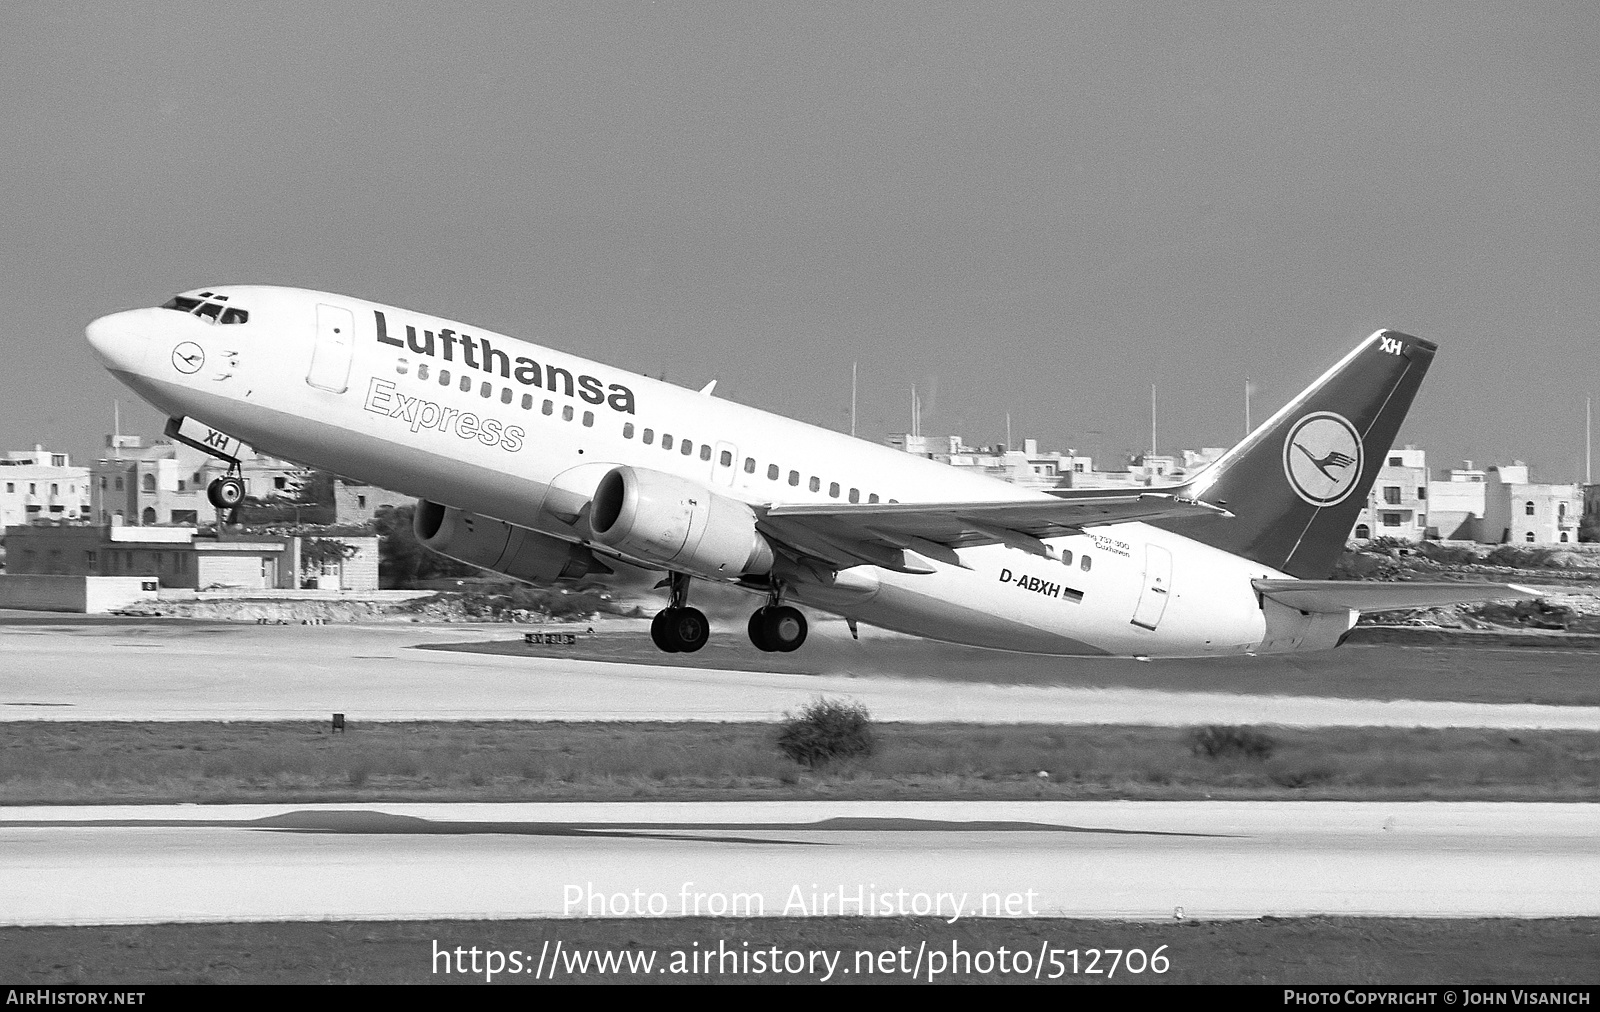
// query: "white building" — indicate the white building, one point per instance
point(1397, 506)
point(1455, 505)
point(41, 485)
point(1519, 511)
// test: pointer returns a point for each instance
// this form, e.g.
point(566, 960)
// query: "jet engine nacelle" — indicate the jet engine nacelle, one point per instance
point(678, 524)
point(491, 544)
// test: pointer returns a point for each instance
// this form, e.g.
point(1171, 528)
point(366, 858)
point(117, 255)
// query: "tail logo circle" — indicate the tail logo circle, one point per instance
point(1322, 458)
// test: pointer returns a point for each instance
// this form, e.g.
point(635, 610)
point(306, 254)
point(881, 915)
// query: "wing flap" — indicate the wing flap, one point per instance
point(1349, 595)
point(903, 536)
point(972, 523)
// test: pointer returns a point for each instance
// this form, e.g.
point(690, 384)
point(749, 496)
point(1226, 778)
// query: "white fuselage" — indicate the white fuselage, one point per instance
point(488, 423)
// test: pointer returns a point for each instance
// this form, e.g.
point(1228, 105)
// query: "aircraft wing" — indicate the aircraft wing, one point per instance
point(903, 536)
point(1349, 595)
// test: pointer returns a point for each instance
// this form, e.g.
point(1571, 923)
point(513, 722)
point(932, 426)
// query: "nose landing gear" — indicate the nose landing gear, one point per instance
point(679, 628)
point(226, 493)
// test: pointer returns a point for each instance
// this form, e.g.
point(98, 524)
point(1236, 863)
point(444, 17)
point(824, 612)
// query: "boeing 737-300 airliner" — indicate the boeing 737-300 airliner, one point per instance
point(535, 463)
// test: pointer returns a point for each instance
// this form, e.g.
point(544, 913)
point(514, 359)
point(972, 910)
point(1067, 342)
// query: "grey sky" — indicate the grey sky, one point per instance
point(1033, 208)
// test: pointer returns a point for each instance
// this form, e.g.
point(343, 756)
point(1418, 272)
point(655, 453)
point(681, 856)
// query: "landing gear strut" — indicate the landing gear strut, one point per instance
point(777, 627)
point(678, 628)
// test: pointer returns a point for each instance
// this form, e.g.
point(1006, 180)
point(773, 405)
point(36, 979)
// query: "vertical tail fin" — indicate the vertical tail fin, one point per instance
point(1296, 484)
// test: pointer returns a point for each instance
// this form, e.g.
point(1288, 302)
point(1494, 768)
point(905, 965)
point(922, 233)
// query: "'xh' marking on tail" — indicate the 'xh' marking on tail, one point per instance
point(1333, 459)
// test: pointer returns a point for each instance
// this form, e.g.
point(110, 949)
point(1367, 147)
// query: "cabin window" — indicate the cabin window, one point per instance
point(1066, 557)
point(648, 437)
point(873, 497)
point(549, 406)
point(1085, 563)
point(627, 430)
point(422, 370)
point(749, 465)
point(855, 495)
point(794, 479)
point(705, 451)
point(772, 472)
point(687, 448)
point(588, 419)
point(726, 460)
point(527, 402)
point(816, 484)
point(466, 384)
point(444, 377)
point(566, 413)
point(666, 441)
point(506, 395)
point(833, 489)
point(486, 390)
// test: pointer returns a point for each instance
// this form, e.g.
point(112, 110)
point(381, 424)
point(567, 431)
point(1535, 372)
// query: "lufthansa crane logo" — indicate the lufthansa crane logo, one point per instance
point(188, 357)
point(1322, 458)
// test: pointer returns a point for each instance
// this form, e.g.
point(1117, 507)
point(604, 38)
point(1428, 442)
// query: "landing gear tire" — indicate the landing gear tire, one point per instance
point(680, 630)
point(659, 635)
point(782, 628)
point(758, 629)
point(226, 493)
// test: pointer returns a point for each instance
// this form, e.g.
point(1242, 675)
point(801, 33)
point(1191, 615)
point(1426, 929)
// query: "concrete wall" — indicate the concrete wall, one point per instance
point(83, 594)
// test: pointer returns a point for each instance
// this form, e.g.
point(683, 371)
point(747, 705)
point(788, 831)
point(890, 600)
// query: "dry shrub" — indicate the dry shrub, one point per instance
point(1216, 741)
point(824, 730)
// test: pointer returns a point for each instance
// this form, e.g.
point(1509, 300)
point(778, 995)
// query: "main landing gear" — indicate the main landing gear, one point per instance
point(678, 628)
point(777, 627)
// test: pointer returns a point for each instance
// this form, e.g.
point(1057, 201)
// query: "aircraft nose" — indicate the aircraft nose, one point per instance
point(119, 340)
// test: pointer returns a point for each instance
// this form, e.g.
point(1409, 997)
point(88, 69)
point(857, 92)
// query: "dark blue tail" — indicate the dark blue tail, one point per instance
point(1296, 484)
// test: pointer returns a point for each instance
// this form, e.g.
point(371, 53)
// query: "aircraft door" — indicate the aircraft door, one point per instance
point(724, 464)
point(1157, 585)
point(330, 357)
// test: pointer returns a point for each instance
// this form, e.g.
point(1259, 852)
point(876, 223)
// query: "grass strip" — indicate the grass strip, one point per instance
point(48, 762)
point(1320, 950)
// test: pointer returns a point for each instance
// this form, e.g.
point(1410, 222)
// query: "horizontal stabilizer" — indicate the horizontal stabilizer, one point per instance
point(1349, 595)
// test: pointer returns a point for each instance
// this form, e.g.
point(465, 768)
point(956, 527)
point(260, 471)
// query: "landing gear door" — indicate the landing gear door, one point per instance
point(1157, 587)
point(330, 358)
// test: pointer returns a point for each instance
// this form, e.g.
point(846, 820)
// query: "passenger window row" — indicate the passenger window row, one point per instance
point(507, 395)
point(686, 448)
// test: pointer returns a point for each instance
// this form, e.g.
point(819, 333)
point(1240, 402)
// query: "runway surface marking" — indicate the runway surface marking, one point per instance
point(1139, 860)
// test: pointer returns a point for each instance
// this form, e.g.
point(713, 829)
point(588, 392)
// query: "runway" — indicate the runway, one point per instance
point(1129, 860)
point(164, 671)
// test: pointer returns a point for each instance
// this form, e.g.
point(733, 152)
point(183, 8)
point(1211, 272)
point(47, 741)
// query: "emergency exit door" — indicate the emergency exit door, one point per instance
point(1157, 587)
point(330, 357)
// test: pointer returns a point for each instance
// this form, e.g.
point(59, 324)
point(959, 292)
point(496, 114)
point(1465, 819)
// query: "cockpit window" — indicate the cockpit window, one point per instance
point(208, 307)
